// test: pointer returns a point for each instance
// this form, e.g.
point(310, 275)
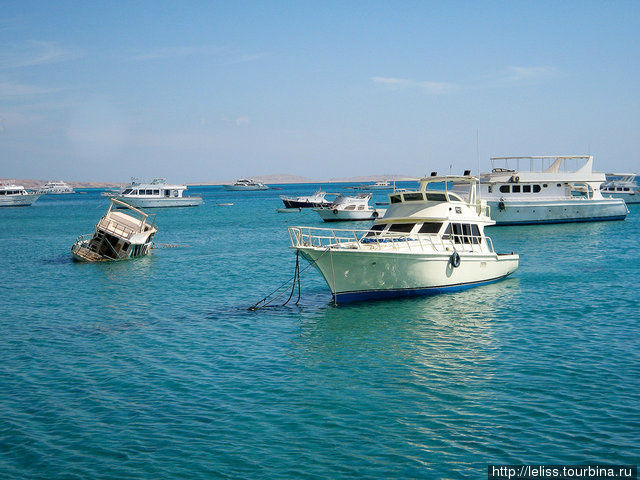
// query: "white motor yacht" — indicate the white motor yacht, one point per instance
point(346, 208)
point(429, 241)
point(12, 195)
point(118, 236)
point(56, 188)
point(157, 193)
point(317, 200)
point(379, 185)
point(538, 189)
point(621, 185)
point(244, 184)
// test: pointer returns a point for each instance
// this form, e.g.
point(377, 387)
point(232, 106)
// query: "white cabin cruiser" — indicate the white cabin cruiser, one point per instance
point(56, 188)
point(346, 208)
point(621, 185)
point(379, 185)
point(428, 242)
point(316, 200)
point(157, 193)
point(244, 184)
point(537, 189)
point(118, 236)
point(12, 195)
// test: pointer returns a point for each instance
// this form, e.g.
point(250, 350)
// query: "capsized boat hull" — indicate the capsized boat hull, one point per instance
point(162, 202)
point(521, 212)
point(354, 275)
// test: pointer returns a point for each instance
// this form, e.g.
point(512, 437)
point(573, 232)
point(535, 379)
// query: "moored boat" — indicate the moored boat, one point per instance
point(56, 188)
point(538, 189)
point(345, 208)
point(245, 184)
point(317, 200)
point(157, 193)
point(118, 235)
point(621, 185)
point(12, 195)
point(428, 242)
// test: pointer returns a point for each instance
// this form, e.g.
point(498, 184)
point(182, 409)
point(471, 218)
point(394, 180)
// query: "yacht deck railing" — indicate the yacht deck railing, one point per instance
point(353, 239)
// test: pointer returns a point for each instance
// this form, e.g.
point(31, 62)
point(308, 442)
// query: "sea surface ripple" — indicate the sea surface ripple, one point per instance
point(154, 367)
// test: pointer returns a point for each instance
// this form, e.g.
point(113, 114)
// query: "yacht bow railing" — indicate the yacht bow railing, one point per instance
point(373, 240)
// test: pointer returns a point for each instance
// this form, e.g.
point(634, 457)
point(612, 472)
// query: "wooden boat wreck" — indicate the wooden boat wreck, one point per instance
point(118, 235)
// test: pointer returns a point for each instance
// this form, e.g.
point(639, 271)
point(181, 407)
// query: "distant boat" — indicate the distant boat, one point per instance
point(380, 185)
point(117, 236)
point(621, 185)
point(350, 208)
point(12, 195)
point(244, 184)
point(316, 200)
point(56, 188)
point(157, 193)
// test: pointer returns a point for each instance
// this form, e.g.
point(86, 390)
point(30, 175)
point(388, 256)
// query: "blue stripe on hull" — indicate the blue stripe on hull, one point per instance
point(562, 220)
point(357, 296)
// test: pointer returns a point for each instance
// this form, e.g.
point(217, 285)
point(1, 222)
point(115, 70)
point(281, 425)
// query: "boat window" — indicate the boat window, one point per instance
point(526, 188)
point(536, 188)
point(430, 227)
point(454, 197)
point(515, 188)
point(626, 189)
point(504, 188)
point(156, 192)
point(559, 185)
point(127, 191)
point(167, 193)
point(375, 228)
point(545, 185)
point(466, 231)
point(350, 207)
point(2, 192)
point(475, 231)
point(149, 192)
point(436, 197)
point(457, 232)
point(412, 197)
point(401, 227)
point(490, 188)
point(395, 199)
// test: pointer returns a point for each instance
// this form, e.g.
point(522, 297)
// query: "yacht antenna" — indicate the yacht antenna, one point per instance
point(478, 160)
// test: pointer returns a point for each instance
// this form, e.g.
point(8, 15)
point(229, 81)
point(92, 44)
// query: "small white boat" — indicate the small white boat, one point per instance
point(118, 236)
point(538, 189)
point(12, 195)
point(157, 193)
point(289, 210)
point(245, 184)
point(316, 200)
point(380, 185)
point(621, 185)
point(56, 188)
point(345, 208)
point(428, 242)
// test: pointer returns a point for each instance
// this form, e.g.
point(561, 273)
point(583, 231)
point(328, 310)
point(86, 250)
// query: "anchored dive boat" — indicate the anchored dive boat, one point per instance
point(621, 185)
point(244, 184)
point(118, 236)
point(429, 241)
point(350, 208)
point(157, 193)
point(316, 200)
point(531, 190)
point(12, 195)
point(56, 188)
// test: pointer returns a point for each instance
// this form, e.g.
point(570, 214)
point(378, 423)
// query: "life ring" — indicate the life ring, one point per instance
point(335, 211)
point(455, 260)
point(374, 214)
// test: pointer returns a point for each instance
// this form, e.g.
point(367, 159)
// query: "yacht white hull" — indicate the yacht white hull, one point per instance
point(334, 215)
point(523, 212)
point(18, 200)
point(245, 188)
point(354, 275)
point(158, 202)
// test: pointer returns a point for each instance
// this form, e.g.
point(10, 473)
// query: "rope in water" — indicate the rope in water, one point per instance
point(295, 280)
point(169, 245)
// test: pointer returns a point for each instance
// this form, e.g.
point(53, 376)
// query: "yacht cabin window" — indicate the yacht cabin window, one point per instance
point(375, 229)
point(395, 199)
point(504, 188)
point(430, 227)
point(401, 227)
point(536, 188)
point(436, 197)
point(526, 188)
point(412, 197)
point(515, 188)
point(127, 191)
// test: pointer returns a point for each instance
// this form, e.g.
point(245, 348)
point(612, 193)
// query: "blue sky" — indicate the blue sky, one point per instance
point(213, 91)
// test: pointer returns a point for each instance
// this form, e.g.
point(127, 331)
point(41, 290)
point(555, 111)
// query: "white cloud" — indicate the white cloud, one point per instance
point(433, 88)
point(8, 89)
point(34, 53)
point(177, 52)
point(519, 74)
point(241, 121)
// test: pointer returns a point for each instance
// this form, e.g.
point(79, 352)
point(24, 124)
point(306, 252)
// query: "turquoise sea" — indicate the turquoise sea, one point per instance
point(154, 368)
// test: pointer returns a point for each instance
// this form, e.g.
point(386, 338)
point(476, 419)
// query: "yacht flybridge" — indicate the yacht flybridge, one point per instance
point(12, 195)
point(118, 236)
point(538, 189)
point(429, 241)
point(156, 193)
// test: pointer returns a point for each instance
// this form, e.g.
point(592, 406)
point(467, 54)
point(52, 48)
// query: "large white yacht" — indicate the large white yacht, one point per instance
point(538, 189)
point(12, 195)
point(346, 207)
point(56, 188)
point(244, 184)
point(156, 193)
point(429, 241)
point(117, 236)
point(622, 185)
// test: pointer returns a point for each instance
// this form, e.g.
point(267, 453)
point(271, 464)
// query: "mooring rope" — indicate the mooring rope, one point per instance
point(297, 275)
